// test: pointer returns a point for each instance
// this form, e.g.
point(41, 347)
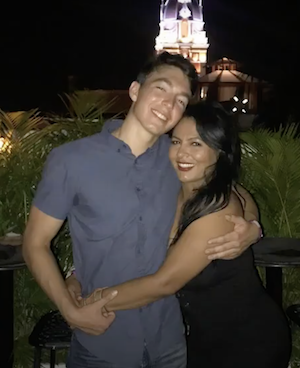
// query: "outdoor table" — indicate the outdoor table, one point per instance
point(274, 254)
point(10, 260)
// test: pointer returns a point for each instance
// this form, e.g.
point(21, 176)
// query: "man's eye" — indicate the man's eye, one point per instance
point(160, 88)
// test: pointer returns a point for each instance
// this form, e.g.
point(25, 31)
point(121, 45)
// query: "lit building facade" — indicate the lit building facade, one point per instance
point(182, 31)
point(225, 82)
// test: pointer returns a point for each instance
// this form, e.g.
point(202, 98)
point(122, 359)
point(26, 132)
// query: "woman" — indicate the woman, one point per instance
point(231, 321)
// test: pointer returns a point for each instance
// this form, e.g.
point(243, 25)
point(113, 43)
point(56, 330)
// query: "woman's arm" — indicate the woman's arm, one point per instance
point(250, 207)
point(247, 230)
point(185, 260)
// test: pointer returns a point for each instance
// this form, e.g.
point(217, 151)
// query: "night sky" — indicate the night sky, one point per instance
point(104, 43)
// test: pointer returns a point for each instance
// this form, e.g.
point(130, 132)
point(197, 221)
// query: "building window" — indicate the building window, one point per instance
point(203, 92)
point(197, 67)
point(195, 57)
point(184, 28)
point(202, 58)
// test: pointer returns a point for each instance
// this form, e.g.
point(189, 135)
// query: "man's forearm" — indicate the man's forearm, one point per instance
point(44, 268)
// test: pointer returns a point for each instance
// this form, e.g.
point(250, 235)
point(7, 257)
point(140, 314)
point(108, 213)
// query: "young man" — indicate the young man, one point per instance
point(119, 192)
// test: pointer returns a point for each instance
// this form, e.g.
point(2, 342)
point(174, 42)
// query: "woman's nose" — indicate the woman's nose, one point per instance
point(182, 152)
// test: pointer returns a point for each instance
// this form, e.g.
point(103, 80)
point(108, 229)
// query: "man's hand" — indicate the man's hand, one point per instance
point(235, 243)
point(74, 288)
point(89, 318)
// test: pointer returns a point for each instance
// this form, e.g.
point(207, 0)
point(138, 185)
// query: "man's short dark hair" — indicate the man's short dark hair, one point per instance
point(167, 59)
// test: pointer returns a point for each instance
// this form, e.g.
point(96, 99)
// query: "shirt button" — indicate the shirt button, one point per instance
point(138, 189)
point(141, 218)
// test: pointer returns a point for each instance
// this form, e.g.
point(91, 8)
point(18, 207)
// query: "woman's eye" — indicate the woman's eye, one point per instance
point(174, 142)
point(197, 144)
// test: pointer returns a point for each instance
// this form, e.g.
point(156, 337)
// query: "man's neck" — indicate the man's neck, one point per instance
point(135, 136)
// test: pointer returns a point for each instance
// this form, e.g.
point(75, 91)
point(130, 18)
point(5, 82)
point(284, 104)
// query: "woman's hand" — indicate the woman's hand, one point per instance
point(94, 297)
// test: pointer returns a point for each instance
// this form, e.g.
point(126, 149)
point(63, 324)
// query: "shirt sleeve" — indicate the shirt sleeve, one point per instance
point(55, 192)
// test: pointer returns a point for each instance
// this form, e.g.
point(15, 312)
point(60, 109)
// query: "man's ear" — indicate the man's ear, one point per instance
point(134, 91)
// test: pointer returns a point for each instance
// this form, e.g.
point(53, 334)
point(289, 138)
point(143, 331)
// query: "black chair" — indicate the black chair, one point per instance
point(52, 333)
point(293, 312)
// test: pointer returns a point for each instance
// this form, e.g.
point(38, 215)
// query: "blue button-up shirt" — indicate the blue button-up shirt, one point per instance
point(120, 210)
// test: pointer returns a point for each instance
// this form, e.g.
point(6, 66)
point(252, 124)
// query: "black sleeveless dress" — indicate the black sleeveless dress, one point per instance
point(231, 321)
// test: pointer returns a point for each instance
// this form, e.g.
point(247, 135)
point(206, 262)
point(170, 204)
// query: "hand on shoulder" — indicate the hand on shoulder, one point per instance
point(243, 233)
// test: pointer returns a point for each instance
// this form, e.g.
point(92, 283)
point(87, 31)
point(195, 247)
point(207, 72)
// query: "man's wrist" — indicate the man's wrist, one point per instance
point(69, 310)
point(71, 315)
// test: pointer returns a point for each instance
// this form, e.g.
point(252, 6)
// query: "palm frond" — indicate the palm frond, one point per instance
point(84, 117)
point(86, 105)
point(271, 171)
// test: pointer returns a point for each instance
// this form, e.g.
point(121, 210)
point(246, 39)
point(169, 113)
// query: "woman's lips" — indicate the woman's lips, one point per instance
point(184, 166)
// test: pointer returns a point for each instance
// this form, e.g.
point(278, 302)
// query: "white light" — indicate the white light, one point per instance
point(185, 12)
point(235, 98)
point(245, 101)
point(244, 111)
point(234, 109)
point(1, 143)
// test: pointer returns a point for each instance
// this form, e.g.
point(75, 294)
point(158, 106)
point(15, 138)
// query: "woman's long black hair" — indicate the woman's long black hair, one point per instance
point(217, 129)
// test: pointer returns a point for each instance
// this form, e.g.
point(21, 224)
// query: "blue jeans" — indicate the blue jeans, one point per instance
point(80, 357)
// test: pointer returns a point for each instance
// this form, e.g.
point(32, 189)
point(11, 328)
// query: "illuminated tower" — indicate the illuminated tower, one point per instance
point(182, 31)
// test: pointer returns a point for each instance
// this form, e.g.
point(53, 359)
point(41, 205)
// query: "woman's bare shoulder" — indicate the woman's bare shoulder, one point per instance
point(235, 205)
point(216, 223)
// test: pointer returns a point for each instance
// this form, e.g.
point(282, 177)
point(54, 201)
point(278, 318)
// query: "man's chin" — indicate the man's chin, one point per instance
point(156, 130)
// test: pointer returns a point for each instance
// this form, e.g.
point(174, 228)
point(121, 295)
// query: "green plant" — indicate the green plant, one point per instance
point(271, 171)
point(30, 138)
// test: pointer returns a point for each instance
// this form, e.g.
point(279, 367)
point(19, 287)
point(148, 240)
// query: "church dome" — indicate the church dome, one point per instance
point(178, 9)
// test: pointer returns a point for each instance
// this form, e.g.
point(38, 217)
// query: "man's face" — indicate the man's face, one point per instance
point(159, 103)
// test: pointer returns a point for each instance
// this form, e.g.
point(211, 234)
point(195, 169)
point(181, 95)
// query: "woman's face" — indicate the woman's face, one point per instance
point(189, 155)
